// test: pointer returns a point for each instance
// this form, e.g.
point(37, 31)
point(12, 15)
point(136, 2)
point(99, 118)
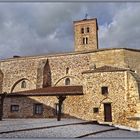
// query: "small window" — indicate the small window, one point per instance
point(86, 40)
point(67, 70)
point(38, 108)
point(67, 81)
point(95, 110)
point(104, 90)
point(82, 30)
point(23, 84)
point(87, 29)
point(14, 108)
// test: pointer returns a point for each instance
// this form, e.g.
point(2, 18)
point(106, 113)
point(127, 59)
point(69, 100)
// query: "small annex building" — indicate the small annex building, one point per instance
point(101, 85)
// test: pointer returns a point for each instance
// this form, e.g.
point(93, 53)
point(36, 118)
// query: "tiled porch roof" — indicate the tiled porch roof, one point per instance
point(105, 69)
point(50, 91)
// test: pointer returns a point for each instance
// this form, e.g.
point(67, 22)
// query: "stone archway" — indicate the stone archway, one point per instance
point(75, 80)
point(17, 82)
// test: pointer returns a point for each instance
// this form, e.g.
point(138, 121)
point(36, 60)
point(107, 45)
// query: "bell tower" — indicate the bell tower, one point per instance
point(86, 34)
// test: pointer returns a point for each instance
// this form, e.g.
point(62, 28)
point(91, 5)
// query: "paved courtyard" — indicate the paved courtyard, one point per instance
point(67, 128)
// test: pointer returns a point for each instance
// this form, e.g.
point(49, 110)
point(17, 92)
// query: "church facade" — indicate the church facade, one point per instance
point(110, 81)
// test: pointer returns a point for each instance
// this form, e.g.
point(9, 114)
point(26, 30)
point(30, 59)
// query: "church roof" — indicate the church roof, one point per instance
point(50, 91)
point(69, 53)
point(91, 19)
point(105, 69)
point(87, 20)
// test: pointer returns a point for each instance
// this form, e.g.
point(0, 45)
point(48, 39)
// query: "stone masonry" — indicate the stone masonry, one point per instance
point(86, 35)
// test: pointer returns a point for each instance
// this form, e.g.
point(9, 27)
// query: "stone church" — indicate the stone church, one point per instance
point(94, 84)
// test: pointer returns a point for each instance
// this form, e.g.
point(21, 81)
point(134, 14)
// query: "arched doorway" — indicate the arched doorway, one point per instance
point(107, 112)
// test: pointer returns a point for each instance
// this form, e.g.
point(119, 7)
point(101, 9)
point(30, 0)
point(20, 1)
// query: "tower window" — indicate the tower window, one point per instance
point(86, 40)
point(67, 70)
point(67, 81)
point(23, 84)
point(104, 90)
point(87, 29)
point(82, 30)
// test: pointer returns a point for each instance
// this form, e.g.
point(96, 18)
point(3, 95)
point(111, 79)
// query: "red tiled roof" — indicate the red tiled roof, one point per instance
point(105, 69)
point(50, 91)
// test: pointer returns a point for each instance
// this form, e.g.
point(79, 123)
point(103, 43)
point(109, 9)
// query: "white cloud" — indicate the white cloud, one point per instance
point(124, 30)
point(28, 29)
point(38, 28)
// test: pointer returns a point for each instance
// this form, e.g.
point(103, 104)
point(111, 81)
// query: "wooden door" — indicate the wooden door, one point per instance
point(107, 112)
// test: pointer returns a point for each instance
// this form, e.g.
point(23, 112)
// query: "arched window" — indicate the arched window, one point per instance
point(23, 84)
point(67, 70)
point(67, 81)
point(87, 29)
point(82, 30)
point(86, 40)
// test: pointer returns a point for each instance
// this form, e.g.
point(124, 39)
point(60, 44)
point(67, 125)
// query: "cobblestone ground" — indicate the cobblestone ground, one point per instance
point(51, 128)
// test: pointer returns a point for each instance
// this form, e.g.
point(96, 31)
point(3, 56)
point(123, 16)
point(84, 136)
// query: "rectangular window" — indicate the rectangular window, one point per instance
point(95, 110)
point(14, 108)
point(38, 108)
point(104, 90)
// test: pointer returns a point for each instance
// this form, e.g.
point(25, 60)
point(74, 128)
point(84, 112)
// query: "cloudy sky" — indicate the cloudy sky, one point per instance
point(42, 28)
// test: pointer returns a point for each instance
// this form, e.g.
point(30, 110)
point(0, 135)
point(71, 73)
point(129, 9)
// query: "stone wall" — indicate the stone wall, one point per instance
point(123, 89)
point(122, 95)
point(132, 59)
point(26, 105)
point(113, 57)
point(16, 70)
point(31, 68)
point(116, 92)
point(133, 98)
